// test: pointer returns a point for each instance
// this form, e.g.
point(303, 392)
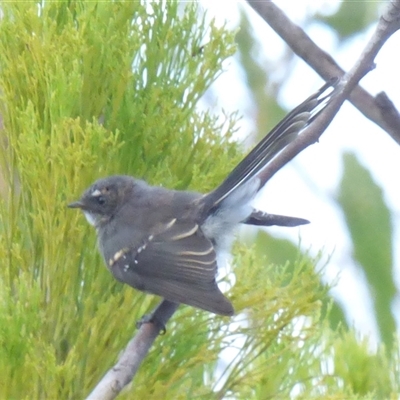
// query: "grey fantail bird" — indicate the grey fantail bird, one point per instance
point(166, 242)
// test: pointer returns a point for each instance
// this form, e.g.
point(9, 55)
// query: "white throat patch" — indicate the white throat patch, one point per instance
point(90, 218)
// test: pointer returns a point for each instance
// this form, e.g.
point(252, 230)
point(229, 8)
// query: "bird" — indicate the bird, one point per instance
point(169, 242)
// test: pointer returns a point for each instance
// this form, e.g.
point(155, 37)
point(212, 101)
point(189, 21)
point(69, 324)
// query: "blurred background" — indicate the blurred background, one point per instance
point(347, 185)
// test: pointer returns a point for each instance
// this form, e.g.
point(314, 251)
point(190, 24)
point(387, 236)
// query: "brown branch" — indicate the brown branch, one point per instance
point(383, 114)
point(129, 362)
point(387, 25)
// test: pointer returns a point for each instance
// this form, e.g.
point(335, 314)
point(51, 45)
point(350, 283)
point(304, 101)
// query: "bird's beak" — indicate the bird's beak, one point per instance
point(76, 204)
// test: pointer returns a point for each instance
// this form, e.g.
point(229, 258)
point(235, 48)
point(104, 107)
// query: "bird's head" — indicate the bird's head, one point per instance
point(103, 199)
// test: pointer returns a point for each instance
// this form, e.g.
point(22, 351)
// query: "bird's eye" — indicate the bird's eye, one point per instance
point(101, 200)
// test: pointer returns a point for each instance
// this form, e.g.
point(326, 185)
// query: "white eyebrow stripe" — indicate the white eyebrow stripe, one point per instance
point(96, 193)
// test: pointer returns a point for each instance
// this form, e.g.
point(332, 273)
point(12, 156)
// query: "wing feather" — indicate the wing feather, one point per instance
point(178, 263)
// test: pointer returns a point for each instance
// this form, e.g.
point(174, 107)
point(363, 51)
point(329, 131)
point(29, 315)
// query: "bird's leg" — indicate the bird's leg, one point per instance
point(159, 316)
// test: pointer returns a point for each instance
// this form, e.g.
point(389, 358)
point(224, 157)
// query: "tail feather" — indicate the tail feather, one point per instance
point(261, 218)
point(270, 146)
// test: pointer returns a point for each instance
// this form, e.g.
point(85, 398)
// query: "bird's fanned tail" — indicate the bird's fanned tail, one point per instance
point(271, 145)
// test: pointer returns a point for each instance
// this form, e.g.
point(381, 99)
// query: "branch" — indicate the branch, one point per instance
point(382, 112)
point(128, 364)
point(388, 23)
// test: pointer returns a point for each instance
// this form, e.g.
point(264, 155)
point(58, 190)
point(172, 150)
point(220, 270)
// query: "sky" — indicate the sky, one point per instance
point(303, 188)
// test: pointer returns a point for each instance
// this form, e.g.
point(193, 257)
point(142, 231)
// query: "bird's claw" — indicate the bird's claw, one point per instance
point(151, 319)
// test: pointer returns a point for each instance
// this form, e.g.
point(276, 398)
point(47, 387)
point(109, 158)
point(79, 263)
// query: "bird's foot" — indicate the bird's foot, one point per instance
point(152, 319)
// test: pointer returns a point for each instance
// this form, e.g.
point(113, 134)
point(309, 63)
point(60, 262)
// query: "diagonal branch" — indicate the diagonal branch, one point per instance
point(378, 109)
point(137, 349)
point(388, 23)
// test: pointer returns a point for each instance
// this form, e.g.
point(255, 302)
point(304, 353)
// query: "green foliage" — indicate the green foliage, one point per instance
point(373, 377)
point(353, 16)
point(90, 89)
point(283, 250)
point(369, 222)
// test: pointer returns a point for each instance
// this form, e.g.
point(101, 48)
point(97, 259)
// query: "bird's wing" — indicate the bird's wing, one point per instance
point(177, 263)
point(271, 145)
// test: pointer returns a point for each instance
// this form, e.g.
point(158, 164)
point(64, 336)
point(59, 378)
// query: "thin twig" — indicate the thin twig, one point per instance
point(383, 114)
point(387, 25)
